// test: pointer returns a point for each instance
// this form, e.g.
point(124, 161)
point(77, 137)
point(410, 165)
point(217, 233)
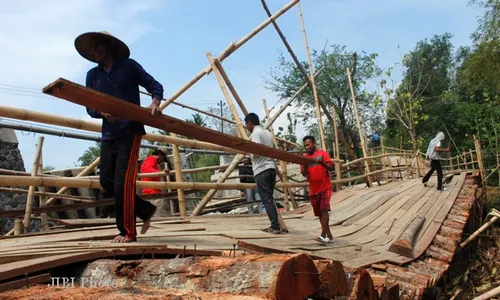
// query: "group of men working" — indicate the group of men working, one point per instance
point(120, 76)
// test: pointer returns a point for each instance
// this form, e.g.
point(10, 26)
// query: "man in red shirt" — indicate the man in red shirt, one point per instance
point(152, 165)
point(320, 185)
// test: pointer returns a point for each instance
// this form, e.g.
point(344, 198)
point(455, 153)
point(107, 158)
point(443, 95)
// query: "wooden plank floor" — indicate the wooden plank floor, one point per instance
point(365, 222)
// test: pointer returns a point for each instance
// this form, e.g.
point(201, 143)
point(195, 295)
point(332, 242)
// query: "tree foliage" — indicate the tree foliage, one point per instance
point(333, 88)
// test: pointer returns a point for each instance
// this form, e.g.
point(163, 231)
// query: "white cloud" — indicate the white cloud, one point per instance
point(37, 47)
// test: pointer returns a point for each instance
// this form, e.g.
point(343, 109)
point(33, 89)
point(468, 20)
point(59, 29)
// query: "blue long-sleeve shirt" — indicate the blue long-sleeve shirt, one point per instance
point(122, 82)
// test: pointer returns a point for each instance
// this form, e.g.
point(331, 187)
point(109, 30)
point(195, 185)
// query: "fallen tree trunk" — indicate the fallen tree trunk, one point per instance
point(404, 244)
point(279, 277)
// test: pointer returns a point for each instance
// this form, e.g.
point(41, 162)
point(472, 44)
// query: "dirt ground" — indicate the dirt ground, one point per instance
point(43, 292)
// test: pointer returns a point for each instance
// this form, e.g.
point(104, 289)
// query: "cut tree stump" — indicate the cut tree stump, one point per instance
point(363, 288)
point(333, 280)
point(404, 244)
point(279, 277)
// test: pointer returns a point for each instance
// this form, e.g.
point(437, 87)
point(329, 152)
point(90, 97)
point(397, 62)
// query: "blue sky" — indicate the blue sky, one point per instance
point(169, 38)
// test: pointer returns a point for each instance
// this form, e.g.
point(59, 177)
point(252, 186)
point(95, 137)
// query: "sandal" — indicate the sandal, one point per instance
point(272, 230)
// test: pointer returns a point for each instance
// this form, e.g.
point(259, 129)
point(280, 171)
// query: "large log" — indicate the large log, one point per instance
point(275, 276)
point(88, 97)
point(333, 280)
point(404, 244)
point(363, 288)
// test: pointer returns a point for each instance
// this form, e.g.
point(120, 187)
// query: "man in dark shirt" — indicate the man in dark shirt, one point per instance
point(119, 76)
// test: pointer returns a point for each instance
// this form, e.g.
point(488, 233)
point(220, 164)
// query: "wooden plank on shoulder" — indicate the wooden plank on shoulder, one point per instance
point(91, 98)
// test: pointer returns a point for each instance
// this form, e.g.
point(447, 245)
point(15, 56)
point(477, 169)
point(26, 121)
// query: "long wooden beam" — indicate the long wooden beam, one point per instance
point(228, 51)
point(88, 97)
point(28, 115)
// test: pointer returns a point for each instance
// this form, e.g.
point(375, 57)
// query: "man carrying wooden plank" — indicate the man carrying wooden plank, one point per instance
point(119, 76)
point(320, 185)
point(152, 165)
point(264, 171)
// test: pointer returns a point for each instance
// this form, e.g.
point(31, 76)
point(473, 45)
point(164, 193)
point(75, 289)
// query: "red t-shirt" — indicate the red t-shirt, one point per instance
point(150, 165)
point(318, 176)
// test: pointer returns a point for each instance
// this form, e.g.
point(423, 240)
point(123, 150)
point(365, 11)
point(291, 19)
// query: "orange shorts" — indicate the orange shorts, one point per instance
point(321, 202)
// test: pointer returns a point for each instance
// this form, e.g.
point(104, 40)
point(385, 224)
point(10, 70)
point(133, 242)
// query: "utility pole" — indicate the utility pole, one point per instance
point(221, 115)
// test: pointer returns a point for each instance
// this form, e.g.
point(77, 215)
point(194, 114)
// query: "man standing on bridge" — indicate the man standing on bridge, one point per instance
point(120, 76)
point(432, 154)
point(264, 170)
point(320, 185)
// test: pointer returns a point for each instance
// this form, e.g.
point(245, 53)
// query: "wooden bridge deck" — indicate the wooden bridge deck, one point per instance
point(365, 223)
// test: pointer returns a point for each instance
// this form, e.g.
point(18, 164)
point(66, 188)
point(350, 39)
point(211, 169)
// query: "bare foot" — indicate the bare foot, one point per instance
point(121, 239)
point(147, 223)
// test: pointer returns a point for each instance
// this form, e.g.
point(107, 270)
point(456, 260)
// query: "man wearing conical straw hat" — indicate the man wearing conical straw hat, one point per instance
point(120, 76)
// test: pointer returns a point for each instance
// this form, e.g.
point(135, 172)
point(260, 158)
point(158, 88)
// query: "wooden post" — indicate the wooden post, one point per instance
point(480, 161)
point(31, 190)
point(44, 219)
point(360, 130)
point(228, 51)
point(458, 162)
point(417, 157)
point(382, 159)
point(239, 125)
point(338, 164)
point(178, 177)
point(18, 227)
point(313, 80)
point(472, 158)
point(89, 169)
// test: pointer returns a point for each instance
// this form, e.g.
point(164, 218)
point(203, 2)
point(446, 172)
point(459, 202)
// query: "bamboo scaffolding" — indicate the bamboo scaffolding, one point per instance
point(358, 122)
point(27, 115)
point(90, 168)
point(178, 178)
point(228, 51)
point(230, 86)
point(338, 164)
point(239, 126)
point(382, 159)
point(313, 81)
point(31, 190)
point(48, 194)
point(44, 219)
point(8, 180)
point(287, 103)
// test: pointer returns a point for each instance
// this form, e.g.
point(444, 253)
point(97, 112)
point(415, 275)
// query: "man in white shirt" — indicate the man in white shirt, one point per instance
point(432, 154)
point(264, 171)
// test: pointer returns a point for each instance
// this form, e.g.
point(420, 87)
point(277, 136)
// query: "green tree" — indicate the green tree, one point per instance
point(333, 87)
point(197, 119)
point(89, 155)
point(415, 107)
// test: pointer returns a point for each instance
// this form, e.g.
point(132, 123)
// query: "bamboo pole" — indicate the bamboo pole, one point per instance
point(47, 194)
point(382, 159)
point(338, 164)
point(27, 115)
point(313, 81)
point(480, 161)
point(228, 51)
point(178, 178)
point(230, 86)
point(472, 158)
point(31, 190)
point(90, 168)
point(8, 180)
point(44, 218)
point(360, 131)
point(489, 295)
point(217, 72)
point(18, 227)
